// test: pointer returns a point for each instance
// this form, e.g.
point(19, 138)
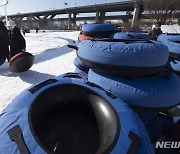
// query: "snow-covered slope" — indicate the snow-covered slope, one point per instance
point(52, 58)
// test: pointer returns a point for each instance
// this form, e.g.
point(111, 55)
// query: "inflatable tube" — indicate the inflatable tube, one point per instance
point(103, 30)
point(83, 37)
point(174, 66)
point(147, 118)
point(2, 60)
point(169, 37)
point(172, 41)
point(77, 42)
point(153, 125)
point(131, 35)
point(154, 93)
point(155, 129)
point(79, 71)
point(21, 62)
point(80, 65)
point(166, 150)
point(168, 123)
point(71, 115)
point(176, 135)
point(123, 57)
point(170, 133)
point(174, 49)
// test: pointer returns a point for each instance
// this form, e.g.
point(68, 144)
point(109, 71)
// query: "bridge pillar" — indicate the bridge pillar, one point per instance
point(97, 16)
point(74, 21)
point(69, 21)
point(100, 16)
point(138, 9)
point(43, 22)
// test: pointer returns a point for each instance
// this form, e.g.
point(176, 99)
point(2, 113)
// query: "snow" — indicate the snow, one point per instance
point(170, 28)
point(52, 58)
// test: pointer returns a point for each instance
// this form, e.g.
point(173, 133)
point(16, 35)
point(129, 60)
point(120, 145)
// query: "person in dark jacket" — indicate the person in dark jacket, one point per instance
point(4, 42)
point(17, 41)
point(155, 32)
point(37, 29)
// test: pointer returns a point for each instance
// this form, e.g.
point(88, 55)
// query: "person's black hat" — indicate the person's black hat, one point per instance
point(158, 24)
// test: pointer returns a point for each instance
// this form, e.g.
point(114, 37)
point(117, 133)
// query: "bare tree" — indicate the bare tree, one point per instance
point(161, 10)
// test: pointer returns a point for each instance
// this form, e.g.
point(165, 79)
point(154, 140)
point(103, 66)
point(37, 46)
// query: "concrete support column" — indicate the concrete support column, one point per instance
point(100, 16)
point(69, 21)
point(137, 13)
point(18, 21)
point(74, 21)
point(178, 21)
point(43, 22)
point(97, 16)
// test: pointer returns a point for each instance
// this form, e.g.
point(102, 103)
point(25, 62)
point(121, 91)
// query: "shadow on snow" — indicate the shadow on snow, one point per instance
point(54, 52)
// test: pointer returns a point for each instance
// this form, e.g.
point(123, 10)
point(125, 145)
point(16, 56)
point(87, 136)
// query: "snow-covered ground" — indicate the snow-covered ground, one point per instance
point(52, 58)
point(170, 28)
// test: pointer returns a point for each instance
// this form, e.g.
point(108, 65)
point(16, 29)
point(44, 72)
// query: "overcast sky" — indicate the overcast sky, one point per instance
point(24, 6)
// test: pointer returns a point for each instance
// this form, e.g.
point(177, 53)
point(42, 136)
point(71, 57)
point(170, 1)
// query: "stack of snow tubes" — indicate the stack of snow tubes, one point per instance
point(172, 41)
point(132, 67)
point(91, 31)
point(70, 115)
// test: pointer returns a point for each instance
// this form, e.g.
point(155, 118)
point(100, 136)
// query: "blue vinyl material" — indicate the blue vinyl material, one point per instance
point(105, 27)
point(133, 54)
point(131, 35)
point(159, 91)
point(16, 113)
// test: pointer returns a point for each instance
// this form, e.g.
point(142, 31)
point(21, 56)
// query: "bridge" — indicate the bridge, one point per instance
point(44, 18)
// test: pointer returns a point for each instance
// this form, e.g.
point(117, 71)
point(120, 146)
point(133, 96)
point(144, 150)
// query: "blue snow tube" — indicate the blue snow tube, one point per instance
point(155, 130)
point(154, 93)
point(174, 66)
point(2, 60)
point(172, 41)
point(153, 125)
point(147, 118)
point(169, 37)
point(79, 71)
point(71, 115)
point(95, 30)
point(80, 65)
point(174, 49)
point(168, 123)
point(131, 35)
point(123, 57)
point(170, 132)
